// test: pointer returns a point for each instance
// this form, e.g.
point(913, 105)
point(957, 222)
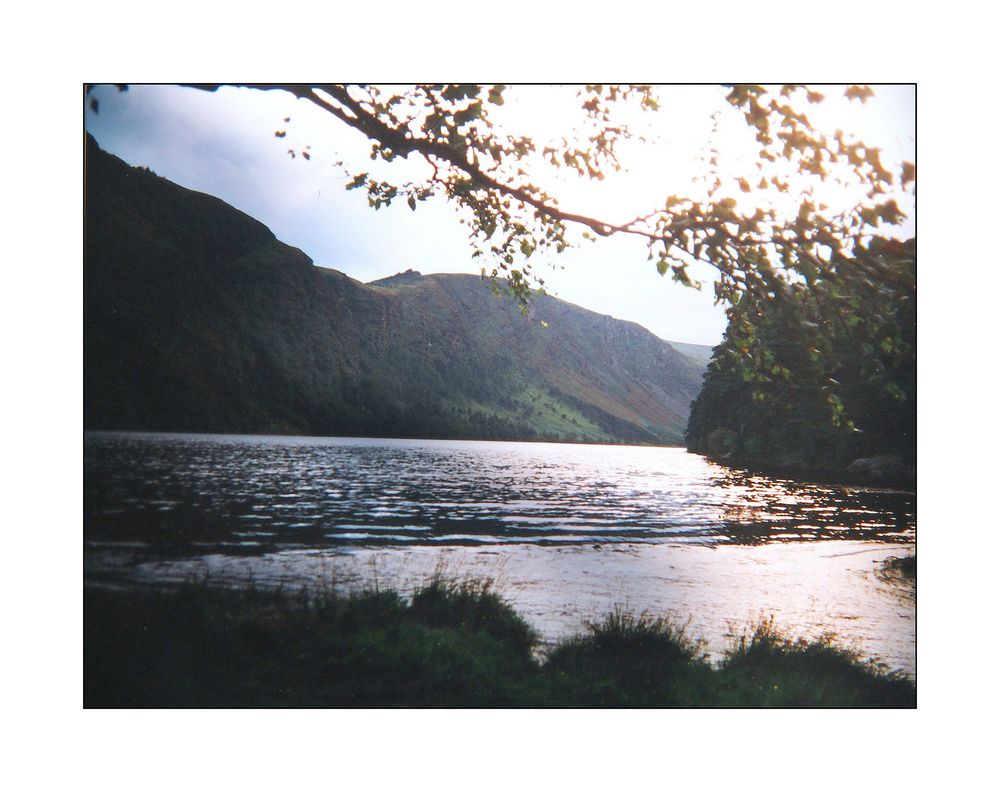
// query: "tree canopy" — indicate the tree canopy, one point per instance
point(848, 397)
point(489, 177)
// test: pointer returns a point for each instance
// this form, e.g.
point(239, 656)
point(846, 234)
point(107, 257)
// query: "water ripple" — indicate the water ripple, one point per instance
point(169, 489)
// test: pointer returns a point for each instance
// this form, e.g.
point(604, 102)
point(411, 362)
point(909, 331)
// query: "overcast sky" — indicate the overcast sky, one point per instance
point(223, 143)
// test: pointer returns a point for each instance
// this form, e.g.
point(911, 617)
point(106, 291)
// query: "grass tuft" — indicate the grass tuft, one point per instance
point(767, 668)
point(627, 660)
point(472, 604)
point(624, 633)
point(905, 566)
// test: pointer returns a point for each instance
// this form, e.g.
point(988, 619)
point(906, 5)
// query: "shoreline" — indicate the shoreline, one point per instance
point(838, 476)
point(810, 587)
point(807, 473)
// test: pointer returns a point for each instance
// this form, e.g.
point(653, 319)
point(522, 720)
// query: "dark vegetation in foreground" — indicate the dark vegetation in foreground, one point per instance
point(456, 644)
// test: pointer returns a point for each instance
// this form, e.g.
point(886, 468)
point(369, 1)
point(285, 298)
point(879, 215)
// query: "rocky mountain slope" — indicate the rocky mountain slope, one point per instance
point(198, 319)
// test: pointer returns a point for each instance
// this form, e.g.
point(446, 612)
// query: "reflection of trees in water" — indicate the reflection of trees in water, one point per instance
point(762, 532)
point(760, 510)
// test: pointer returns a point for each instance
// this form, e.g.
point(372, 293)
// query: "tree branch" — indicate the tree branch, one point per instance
point(402, 143)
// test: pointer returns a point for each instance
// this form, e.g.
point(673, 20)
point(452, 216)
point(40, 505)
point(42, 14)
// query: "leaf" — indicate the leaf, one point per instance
point(680, 274)
point(909, 173)
point(412, 203)
point(356, 182)
point(862, 93)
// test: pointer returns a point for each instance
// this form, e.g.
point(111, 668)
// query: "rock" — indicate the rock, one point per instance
point(881, 469)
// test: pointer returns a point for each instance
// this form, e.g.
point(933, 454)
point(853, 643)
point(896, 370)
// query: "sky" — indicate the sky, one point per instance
point(223, 143)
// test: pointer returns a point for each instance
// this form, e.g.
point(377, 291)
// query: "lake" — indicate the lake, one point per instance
point(568, 532)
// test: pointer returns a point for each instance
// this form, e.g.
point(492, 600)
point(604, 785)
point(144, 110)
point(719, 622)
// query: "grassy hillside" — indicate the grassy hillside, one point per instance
point(701, 353)
point(198, 319)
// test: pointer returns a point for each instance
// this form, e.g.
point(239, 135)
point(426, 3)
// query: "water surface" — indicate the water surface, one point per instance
point(569, 531)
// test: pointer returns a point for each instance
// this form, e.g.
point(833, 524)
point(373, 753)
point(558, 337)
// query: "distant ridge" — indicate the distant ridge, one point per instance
point(410, 276)
point(698, 352)
point(198, 319)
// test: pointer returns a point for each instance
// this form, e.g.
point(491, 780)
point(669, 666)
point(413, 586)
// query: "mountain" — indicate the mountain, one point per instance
point(198, 319)
point(700, 353)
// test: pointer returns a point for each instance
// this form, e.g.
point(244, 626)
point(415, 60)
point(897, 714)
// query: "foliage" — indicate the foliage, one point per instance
point(832, 372)
point(453, 644)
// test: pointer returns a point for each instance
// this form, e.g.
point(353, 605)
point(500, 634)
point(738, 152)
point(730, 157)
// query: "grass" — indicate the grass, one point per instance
point(766, 668)
point(453, 644)
point(628, 660)
point(905, 566)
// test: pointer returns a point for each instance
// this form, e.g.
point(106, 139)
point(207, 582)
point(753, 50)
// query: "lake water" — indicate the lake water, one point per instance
point(567, 531)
